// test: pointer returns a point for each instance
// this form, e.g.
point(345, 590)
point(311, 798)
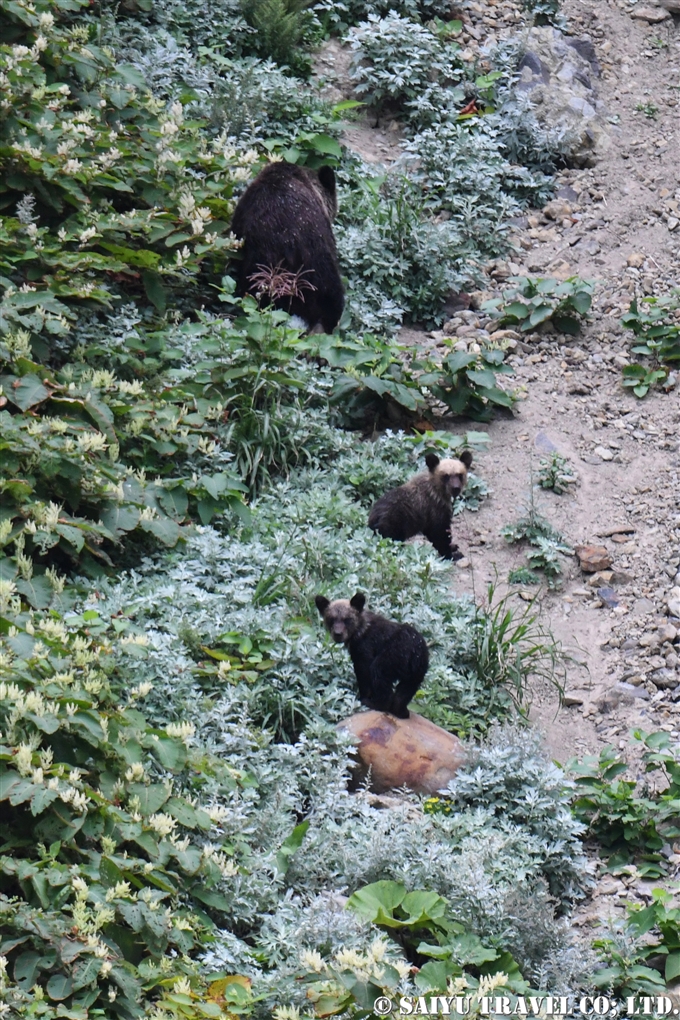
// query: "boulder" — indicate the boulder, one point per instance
point(559, 74)
point(409, 752)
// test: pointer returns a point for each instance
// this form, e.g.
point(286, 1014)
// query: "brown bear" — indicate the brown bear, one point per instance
point(390, 659)
point(424, 504)
point(284, 219)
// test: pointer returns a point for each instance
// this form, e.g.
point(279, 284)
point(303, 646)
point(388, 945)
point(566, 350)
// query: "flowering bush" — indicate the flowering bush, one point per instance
point(113, 856)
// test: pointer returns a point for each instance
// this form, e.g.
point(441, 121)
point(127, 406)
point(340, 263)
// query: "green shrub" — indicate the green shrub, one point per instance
point(545, 12)
point(391, 252)
point(658, 341)
point(630, 823)
point(281, 26)
point(349, 12)
point(107, 882)
point(532, 302)
point(396, 59)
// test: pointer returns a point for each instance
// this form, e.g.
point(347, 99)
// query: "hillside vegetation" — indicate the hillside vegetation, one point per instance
point(181, 472)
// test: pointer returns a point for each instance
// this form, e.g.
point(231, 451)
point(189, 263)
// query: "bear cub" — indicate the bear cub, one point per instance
point(390, 659)
point(284, 219)
point(424, 505)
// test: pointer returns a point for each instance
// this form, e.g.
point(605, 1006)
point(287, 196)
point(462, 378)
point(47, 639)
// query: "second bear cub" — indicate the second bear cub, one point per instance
point(390, 659)
point(424, 504)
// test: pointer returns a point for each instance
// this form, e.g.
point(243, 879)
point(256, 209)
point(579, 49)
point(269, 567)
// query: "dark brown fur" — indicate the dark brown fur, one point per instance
point(390, 659)
point(285, 221)
point(424, 504)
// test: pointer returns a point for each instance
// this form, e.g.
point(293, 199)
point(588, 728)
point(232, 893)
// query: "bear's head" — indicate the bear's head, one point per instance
point(449, 476)
point(343, 617)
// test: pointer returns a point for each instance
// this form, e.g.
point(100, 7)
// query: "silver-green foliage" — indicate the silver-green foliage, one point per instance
point(396, 59)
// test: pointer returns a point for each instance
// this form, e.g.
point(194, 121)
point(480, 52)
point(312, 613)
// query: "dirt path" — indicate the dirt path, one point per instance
point(619, 226)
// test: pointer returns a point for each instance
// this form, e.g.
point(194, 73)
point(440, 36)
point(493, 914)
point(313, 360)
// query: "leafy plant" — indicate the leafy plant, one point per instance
point(545, 543)
point(511, 775)
point(421, 924)
point(649, 110)
point(465, 381)
point(107, 885)
point(658, 340)
point(281, 26)
point(394, 256)
point(523, 576)
point(555, 473)
point(396, 59)
point(627, 824)
point(534, 301)
point(545, 12)
point(511, 646)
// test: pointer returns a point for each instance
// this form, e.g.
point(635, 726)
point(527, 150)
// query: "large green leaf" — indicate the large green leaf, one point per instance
point(26, 391)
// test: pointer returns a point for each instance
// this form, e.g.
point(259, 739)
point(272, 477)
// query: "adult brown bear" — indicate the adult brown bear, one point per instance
point(285, 222)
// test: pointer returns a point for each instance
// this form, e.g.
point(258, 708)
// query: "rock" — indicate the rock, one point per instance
point(652, 15)
point(603, 453)
point(650, 640)
point(643, 606)
point(665, 679)
point(608, 597)
point(670, 5)
point(558, 73)
point(668, 633)
point(636, 259)
point(674, 607)
point(544, 443)
point(557, 209)
point(572, 698)
point(620, 694)
point(409, 752)
point(593, 558)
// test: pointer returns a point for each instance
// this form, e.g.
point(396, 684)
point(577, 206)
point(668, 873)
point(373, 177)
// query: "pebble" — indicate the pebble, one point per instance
point(602, 452)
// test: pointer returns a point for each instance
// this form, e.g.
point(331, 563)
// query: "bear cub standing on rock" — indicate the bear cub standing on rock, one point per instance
point(284, 220)
point(423, 505)
point(384, 653)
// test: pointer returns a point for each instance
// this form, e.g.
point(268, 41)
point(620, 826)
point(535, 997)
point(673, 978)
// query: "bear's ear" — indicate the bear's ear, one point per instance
point(358, 602)
point(327, 180)
point(466, 457)
point(322, 603)
point(432, 460)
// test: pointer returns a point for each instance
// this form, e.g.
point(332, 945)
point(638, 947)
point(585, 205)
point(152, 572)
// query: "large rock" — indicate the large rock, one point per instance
point(559, 73)
point(409, 752)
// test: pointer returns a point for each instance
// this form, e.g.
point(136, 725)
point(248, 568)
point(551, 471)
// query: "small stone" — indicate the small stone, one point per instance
point(602, 452)
point(674, 607)
point(463, 564)
point(600, 579)
point(652, 15)
point(667, 633)
point(572, 698)
point(664, 679)
point(593, 558)
point(650, 640)
point(643, 606)
point(620, 694)
point(636, 260)
point(672, 222)
point(609, 597)
point(557, 209)
point(672, 660)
